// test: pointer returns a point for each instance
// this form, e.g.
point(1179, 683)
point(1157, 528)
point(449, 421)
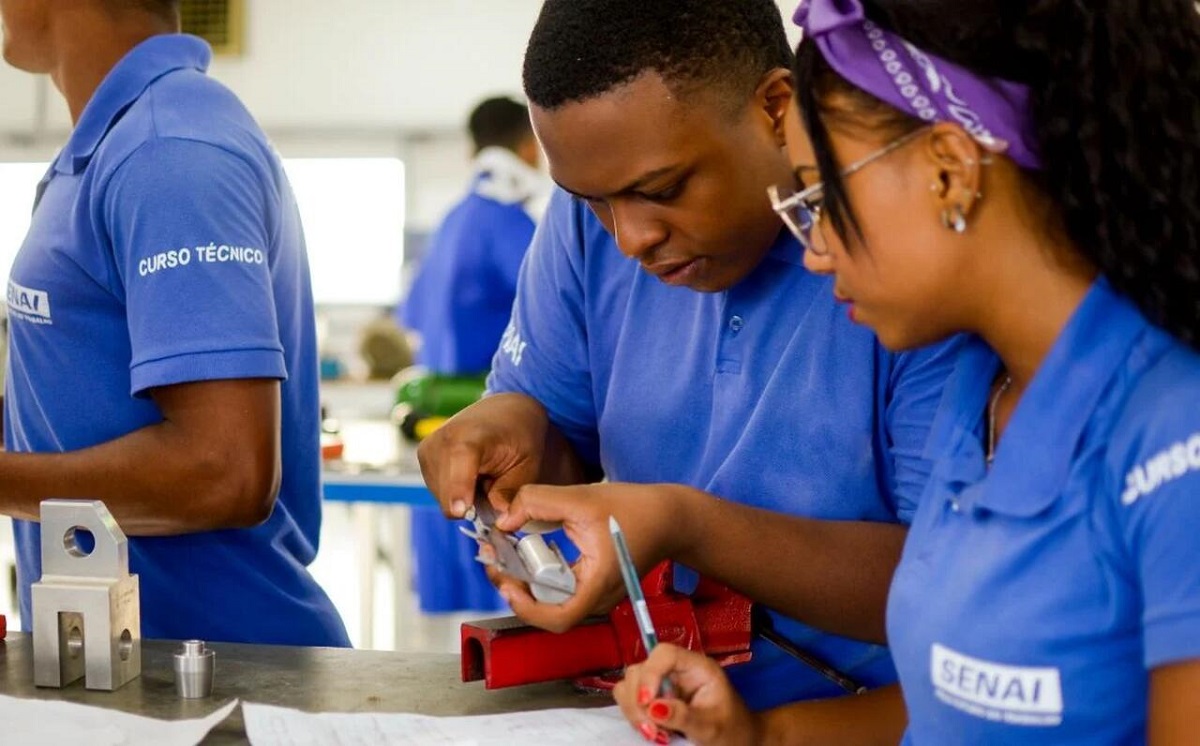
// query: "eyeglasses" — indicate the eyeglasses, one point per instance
point(801, 211)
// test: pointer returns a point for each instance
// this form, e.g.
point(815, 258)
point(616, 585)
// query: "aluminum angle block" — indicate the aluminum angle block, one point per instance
point(86, 608)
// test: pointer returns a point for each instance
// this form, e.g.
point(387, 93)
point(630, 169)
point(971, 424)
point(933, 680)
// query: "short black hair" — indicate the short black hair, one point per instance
point(499, 121)
point(581, 49)
point(1116, 116)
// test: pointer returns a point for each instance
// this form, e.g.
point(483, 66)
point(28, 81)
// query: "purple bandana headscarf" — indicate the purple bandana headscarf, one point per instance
point(995, 112)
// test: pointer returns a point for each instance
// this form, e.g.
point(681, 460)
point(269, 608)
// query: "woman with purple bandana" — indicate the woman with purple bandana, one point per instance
point(1025, 172)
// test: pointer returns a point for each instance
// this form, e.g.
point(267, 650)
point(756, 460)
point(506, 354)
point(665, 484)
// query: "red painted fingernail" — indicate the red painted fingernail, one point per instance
point(660, 710)
point(662, 737)
point(649, 732)
point(645, 694)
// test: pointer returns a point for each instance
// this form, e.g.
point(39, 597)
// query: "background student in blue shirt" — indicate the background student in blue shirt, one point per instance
point(462, 295)
point(460, 302)
point(971, 171)
point(162, 346)
point(665, 333)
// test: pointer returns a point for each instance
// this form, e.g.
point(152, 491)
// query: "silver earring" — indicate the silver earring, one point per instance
point(955, 219)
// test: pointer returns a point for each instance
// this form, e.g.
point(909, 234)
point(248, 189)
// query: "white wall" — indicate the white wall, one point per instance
point(396, 64)
point(378, 63)
point(353, 77)
point(356, 77)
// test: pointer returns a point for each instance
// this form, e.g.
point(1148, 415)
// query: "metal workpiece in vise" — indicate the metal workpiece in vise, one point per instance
point(530, 558)
point(86, 609)
point(507, 652)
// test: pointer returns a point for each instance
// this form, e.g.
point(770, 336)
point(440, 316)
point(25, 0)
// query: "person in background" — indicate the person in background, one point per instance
point(461, 297)
point(459, 304)
point(162, 345)
point(966, 171)
point(665, 335)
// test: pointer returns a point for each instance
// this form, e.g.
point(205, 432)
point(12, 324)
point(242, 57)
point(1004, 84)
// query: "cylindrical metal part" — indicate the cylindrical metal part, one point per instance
point(194, 667)
point(539, 559)
point(553, 580)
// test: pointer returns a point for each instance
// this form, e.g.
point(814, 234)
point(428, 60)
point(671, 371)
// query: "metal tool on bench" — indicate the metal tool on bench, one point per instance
point(194, 665)
point(527, 558)
point(86, 609)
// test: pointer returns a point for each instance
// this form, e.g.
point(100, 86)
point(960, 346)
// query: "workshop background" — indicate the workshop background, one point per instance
point(366, 102)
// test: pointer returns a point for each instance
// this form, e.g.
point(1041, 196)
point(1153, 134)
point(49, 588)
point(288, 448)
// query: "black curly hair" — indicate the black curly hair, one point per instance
point(581, 49)
point(499, 121)
point(1116, 103)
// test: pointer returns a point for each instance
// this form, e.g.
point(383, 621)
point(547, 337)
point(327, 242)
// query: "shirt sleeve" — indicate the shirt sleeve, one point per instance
point(191, 232)
point(915, 388)
point(544, 351)
point(1156, 500)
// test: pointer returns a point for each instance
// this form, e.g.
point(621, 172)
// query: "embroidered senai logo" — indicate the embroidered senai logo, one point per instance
point(1018, 695)
point(28, 304)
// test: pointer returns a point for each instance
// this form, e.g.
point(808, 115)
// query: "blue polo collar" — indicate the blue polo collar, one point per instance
point(1040, 442)
point(144, 64)
point(786, 248)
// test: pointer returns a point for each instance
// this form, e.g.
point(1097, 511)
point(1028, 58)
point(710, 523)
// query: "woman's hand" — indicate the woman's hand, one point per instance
point(705, 708)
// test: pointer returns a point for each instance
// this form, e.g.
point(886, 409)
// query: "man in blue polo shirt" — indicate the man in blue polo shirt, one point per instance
point(460, 302)
point(463, 292)
point(162, 351)
point(713, 361)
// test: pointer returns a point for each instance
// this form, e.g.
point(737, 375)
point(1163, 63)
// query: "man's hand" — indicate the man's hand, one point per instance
point(653, 518)
point(502, 438)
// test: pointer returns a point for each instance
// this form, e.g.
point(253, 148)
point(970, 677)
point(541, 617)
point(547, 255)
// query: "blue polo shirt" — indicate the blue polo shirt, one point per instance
point(165, 248)
point(766, 394)
point(462, 296)
point(1032, 600)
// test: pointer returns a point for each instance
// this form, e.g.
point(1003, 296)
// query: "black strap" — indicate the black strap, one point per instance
point(764, 627)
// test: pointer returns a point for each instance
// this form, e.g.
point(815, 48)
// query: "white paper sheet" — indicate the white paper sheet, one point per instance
point(51, 721)
point(277, 726)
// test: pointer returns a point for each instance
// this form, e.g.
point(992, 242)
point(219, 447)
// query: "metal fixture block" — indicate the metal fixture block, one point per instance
point(86, 609)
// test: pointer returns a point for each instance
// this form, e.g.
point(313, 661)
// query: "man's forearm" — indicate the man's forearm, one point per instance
point(154, 481)
point(833, 575)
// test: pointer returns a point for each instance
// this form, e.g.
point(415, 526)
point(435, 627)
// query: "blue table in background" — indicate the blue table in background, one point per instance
point(380, 500)
point(390, 488)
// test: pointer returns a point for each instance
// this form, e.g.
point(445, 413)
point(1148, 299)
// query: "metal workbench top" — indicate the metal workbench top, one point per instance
point(310, 679)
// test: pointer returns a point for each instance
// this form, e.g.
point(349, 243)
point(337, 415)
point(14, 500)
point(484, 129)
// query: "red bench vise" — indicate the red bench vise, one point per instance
point(507, 652)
